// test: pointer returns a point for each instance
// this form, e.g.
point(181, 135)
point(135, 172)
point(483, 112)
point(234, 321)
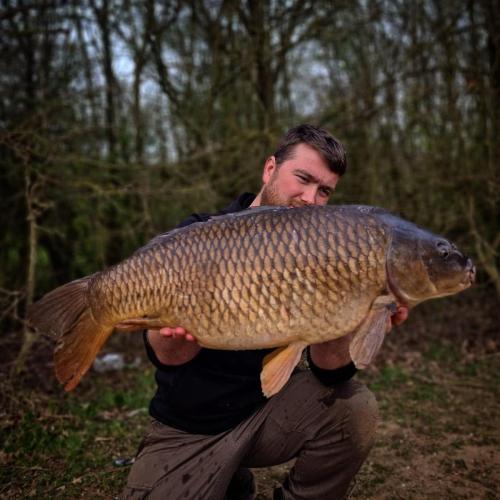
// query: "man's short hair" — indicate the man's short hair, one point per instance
point(327, 146)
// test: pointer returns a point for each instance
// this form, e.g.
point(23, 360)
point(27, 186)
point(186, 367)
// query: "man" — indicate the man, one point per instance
point(211, 421)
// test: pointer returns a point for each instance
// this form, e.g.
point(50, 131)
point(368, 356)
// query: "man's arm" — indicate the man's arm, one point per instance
point(173, 346)
point(335, 353)
point(332, 354)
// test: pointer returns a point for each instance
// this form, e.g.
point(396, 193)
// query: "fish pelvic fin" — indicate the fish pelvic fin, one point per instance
point(371, 333)
point(278, 366)
point(65, 314)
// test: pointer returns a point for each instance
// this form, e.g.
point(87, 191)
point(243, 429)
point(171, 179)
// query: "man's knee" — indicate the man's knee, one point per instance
point(347, 424)
point(364, 419)
point(360, 414)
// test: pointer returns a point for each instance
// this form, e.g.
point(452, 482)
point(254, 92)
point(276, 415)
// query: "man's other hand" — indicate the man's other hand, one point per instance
point(400, 316)
point(177, 333)
point(173, 345)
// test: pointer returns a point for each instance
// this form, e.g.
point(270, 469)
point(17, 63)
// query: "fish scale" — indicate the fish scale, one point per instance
point(267, 277)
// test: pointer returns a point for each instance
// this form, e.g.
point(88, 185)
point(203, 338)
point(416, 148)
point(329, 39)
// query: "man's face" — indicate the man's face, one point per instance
point(303, 179)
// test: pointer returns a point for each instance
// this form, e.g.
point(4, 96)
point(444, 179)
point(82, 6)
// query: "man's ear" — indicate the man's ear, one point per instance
point(269, 169)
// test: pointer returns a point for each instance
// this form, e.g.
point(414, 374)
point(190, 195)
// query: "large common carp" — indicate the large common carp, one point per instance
point(265, 277)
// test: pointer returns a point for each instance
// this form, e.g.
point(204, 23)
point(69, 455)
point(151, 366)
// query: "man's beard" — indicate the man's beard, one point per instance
point(271, 196)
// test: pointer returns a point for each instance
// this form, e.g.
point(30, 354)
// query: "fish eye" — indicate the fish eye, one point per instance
point(443, 249)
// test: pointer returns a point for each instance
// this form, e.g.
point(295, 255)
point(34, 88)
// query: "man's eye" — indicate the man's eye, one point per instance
point(325, 192)
point(303, 179)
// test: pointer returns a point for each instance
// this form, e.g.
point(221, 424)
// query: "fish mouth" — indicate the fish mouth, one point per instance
point(470, 274)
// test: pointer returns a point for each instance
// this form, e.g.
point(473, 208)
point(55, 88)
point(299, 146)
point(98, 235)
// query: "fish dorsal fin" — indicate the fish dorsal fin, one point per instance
point(367, 209)
point(370, 335)
point(278, 366)
point(249, 211)
point(163, 237)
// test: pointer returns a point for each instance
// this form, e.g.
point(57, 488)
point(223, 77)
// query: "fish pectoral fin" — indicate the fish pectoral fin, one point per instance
point(133, 324)
point(278, 366)
point(370, 335)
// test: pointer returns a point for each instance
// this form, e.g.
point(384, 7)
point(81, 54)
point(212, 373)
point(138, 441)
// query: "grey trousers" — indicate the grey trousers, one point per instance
point(330, 432)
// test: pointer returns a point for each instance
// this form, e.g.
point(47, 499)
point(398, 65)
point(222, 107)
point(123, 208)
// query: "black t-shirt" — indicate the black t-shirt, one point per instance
point(216, 390)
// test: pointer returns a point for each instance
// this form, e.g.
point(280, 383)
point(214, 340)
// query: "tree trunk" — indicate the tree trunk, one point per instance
point(102, 16)
point(493, 27)
point(31, 217)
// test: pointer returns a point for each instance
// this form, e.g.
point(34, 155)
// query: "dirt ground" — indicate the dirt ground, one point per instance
point(436, 380)
point(446, 449)
point(429, 471)
point(438, 392)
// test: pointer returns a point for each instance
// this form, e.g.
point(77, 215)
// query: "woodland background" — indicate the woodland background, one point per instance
point(120, 117)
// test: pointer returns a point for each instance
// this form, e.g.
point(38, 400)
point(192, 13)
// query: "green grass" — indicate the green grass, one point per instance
point(442, 352)
point(65, 445)
point(390, 377)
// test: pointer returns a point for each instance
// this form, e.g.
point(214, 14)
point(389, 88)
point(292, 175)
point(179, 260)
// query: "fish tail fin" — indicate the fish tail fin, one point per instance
point(65, 314)
point(77, 350)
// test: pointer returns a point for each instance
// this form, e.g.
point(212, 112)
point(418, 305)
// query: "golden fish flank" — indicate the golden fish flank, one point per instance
point(266, 277)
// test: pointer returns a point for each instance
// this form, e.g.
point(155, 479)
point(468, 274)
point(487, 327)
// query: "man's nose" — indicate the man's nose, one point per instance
point(309, 196)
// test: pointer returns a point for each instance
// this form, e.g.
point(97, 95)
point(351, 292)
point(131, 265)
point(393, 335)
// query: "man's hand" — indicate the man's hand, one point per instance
point(335, 353)
point(173, 345)
point(176, 333)
point(400, 316)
